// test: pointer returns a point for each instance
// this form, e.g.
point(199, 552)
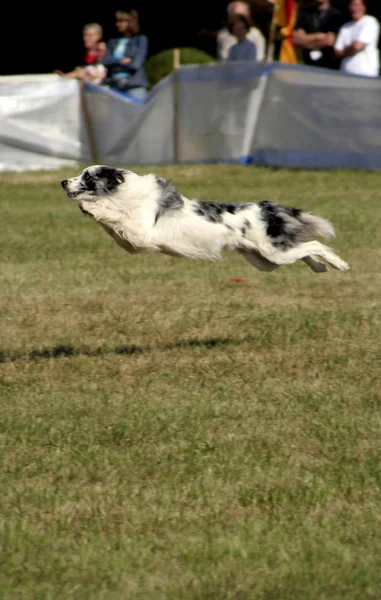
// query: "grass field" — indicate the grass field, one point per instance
point(168, 434)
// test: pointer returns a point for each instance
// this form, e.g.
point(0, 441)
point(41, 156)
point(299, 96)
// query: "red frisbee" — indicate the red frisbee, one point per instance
point(239, 280)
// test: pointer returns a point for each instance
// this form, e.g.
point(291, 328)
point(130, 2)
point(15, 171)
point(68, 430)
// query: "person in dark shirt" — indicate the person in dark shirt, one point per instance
point(125, 56)
point(315, 32)
point(244, 49)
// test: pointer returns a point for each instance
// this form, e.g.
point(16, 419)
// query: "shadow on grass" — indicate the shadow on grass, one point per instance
point(63, 351)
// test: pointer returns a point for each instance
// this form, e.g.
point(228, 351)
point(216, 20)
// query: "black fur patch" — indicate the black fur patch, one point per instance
point(88, 182)
point(213, 211)
point(109, 177)
point(245, 227)
point(170, 198)
point(273, 215)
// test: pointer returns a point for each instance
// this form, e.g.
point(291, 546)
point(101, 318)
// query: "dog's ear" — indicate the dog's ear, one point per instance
point(164, 183)
point(111, 177)
point(169, 199)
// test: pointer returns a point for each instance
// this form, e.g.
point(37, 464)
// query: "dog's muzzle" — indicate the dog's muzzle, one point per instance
point(65, 185)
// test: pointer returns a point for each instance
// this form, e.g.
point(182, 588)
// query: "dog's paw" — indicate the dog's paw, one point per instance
point(315, 265)
point(341, 265)
point(320, 267)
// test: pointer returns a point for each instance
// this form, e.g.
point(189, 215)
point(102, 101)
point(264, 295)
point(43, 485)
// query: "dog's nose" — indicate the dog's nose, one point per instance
point(64, 184)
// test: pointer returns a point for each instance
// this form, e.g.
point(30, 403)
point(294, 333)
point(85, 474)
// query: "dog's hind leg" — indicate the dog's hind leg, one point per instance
point(316, 266)
point(305, 251)
point(259, 262)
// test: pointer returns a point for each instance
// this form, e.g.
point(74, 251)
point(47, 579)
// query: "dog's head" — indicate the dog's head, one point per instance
point(94, 182)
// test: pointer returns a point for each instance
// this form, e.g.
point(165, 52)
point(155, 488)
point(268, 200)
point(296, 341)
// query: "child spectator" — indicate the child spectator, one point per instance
point(357, 42)
point(126, 55)
point(225, 39)
point(244, 49)
point(92, 69)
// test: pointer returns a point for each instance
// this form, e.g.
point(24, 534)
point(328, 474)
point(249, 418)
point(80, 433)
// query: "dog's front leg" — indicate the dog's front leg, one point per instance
point(88, 208)
point(125, 231)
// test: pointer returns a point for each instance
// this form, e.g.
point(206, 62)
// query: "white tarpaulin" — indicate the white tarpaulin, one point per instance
point(41, 124)
point(279, 115)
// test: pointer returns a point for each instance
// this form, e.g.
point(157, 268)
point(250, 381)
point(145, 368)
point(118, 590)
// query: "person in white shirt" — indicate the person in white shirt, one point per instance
point(357, 42)
point(225, 39)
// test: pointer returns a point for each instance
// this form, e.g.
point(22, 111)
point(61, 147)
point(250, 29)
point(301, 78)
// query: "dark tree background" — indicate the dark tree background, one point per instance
point(38, 39)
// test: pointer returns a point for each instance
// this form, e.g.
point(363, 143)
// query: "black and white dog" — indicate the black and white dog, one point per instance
point(148, 214)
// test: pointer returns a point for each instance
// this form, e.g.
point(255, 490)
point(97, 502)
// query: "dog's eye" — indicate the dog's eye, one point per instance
point(88, 181)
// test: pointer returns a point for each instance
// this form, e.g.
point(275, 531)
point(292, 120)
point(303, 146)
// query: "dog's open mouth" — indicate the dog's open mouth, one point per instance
point(73, 195)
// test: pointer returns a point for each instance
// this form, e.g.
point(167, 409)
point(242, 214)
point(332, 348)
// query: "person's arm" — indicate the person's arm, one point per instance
point(231, 53)
point(77, 73)
point(256, 36)
point(312, 41)
point(350, 50)
point(223, 44)
point(108, 59)
point(368, 33)
point(140, 58)
point(101, 51)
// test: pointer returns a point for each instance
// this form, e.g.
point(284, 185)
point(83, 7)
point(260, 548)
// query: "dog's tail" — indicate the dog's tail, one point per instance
point(284, 222)
point(313, 226)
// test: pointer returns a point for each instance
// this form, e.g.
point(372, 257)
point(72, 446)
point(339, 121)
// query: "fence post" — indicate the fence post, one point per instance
point(272, 32)
point(176, 107)
point(89, 123)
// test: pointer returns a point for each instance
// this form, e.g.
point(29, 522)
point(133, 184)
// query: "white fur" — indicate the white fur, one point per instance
point(129, 213)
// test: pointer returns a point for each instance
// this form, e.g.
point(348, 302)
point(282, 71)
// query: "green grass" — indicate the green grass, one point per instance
point(160, 65)
point(168, 434)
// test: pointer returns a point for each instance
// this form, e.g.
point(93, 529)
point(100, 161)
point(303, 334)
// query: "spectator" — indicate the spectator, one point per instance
point(357, 42)
point(225, 39)
point(92, 69)
point(315, 32)
point(244, 49)
point(125, 56)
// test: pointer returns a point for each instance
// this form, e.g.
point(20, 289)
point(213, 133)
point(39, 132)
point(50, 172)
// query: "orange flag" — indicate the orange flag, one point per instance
point(285, 18)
